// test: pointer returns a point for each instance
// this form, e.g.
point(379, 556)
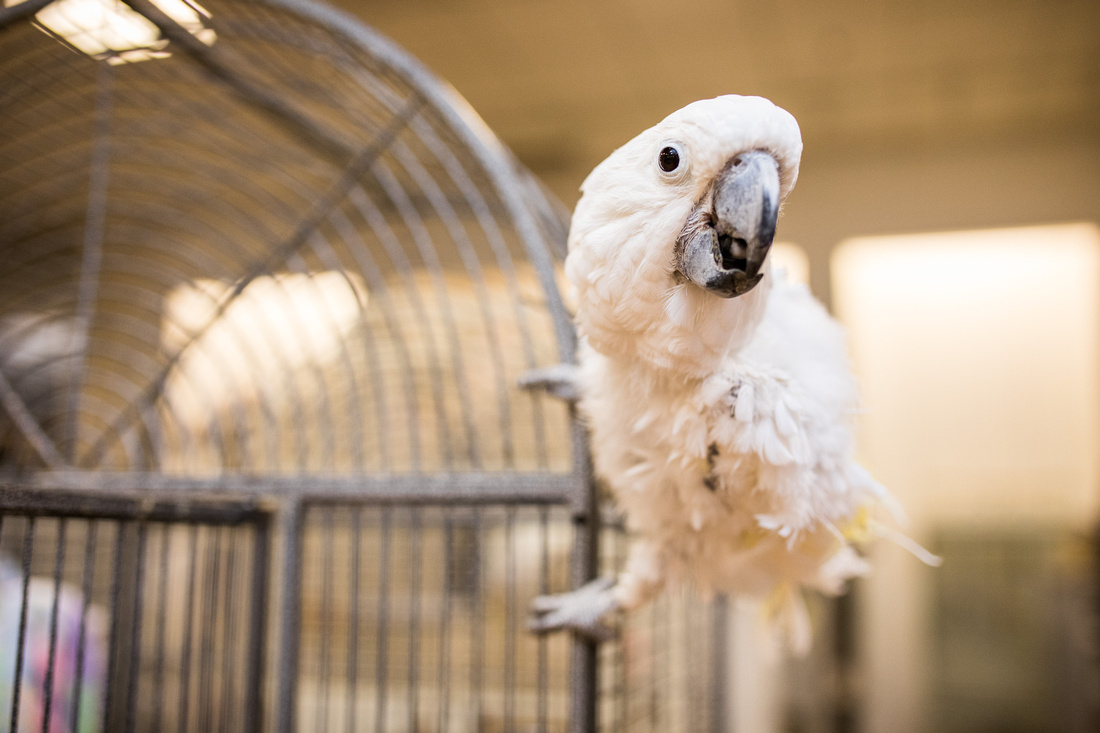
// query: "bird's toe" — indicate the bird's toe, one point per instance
point(584, 611)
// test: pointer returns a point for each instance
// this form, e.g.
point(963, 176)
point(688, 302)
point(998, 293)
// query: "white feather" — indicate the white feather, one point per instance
point(723, 426)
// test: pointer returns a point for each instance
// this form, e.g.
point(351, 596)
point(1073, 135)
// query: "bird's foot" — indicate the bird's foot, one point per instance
point(583, 610)
point(560, 380)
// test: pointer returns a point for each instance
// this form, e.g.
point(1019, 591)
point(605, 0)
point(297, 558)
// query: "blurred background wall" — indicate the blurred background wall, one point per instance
point(979, 352)
point(916, 116)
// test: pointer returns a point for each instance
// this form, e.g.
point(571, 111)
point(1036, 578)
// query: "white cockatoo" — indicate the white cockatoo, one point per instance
point(719, 396)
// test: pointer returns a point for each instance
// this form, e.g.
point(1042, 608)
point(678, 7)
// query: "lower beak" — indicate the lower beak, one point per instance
point(724, 249)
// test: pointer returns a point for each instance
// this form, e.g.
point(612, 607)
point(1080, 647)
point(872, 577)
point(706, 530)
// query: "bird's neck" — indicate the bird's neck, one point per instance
point(687, 335)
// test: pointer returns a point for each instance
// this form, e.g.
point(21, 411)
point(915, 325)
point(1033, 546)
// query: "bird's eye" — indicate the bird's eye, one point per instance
point(669, 159)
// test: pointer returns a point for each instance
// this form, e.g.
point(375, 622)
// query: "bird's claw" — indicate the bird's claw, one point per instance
point(559, 381)
point(583, 610)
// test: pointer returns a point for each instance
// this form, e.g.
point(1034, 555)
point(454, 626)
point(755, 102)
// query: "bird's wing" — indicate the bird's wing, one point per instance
point(787, 401)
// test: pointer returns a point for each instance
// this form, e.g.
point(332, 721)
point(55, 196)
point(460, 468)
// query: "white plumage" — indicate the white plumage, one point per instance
point(723, 425)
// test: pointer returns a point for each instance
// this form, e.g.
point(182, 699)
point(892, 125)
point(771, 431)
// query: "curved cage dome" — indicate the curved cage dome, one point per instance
point(254, 238)
point(266, 288)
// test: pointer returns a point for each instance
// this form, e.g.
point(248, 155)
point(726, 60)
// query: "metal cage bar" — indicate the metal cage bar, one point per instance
point(124, 675)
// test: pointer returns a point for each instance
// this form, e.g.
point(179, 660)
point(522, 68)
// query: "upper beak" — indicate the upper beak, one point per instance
point(724, 244)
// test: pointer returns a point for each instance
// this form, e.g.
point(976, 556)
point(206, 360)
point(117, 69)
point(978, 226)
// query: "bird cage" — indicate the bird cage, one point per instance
point(266, 288)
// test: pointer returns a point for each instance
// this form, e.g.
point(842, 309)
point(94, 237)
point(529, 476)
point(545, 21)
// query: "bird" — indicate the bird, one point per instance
point(719, 397)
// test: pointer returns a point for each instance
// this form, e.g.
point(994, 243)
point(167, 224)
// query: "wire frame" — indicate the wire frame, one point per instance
point(288, 252)
point(667, 670)
point(413, 618)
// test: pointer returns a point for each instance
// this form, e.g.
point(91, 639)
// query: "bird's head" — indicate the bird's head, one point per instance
point(670, 238)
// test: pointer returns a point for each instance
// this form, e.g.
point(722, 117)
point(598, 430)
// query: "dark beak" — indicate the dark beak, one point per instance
point(723, 246)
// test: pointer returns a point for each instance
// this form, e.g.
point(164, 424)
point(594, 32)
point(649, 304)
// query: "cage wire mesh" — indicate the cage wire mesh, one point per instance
point(667, 668)
point(440, 645)
point(218, 292)
point(265, 290)
point(150, 623)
